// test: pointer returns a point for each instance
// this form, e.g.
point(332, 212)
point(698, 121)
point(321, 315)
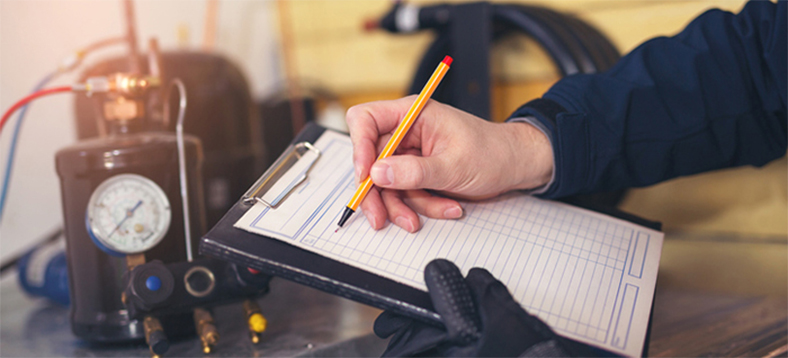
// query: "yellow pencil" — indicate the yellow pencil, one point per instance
point(399, 133)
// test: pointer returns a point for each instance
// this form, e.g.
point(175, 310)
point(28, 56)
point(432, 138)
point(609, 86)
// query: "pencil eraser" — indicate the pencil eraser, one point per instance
point(447, 60)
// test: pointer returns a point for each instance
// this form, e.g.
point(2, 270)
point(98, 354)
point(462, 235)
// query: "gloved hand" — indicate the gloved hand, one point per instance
point(481, 320)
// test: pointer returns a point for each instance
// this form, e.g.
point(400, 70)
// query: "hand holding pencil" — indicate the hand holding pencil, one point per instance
point(446, 150)
point(398, 134)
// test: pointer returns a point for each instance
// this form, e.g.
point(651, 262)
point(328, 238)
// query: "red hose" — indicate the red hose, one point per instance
point(29, 98)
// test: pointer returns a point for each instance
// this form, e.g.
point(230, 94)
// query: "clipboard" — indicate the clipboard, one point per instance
point(277, 258)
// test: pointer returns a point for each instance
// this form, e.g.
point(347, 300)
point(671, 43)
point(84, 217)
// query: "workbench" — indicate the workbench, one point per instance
point(306, 322)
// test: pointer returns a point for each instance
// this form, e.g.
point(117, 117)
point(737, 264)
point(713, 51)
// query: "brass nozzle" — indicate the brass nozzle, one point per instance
point(119, 83)
point(155, 337)
point(151, 325)
point(133, 85)
point(206, 329)
point(255, 319)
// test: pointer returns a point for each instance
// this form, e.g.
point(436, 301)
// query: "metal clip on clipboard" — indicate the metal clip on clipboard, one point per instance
point(290, 170)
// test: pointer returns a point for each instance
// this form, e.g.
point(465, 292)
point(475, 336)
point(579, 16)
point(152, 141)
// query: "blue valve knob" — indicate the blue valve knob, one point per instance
point(153, 283)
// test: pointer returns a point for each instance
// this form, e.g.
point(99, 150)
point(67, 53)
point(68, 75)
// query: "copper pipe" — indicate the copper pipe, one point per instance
point(131, 37)
point(297, 112)
point(209, 33)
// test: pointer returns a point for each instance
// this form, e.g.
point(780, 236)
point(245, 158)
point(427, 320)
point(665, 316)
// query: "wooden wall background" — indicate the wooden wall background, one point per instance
point(726, 231)
point(332, 51)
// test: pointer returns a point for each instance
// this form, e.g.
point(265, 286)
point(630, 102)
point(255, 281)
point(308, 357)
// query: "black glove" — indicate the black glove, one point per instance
point(481, 319)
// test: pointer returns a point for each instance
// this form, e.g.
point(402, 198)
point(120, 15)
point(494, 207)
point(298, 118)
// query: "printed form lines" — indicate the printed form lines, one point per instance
point(579, 271)
point(539, 251)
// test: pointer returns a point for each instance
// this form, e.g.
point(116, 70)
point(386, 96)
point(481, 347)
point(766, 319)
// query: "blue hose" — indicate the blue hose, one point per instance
point(15, 137)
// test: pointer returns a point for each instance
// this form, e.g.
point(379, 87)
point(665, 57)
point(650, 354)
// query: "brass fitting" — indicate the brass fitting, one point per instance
point(134, 260)
point(255, 319)
point(120, 83)
point(154, 336)
point(206, 329)
point(132, 85)
point(123, 109)
point(124, 102)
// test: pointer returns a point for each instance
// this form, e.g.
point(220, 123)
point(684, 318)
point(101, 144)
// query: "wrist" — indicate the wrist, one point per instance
point(531, 156)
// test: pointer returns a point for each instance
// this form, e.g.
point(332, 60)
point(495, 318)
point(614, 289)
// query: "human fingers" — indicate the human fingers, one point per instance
point(408, 151)
point(399, 213)
point(366, 122)
point(382, 141)
point(401, 150)
point(410, 172)
point(374, 209)
point(432, 206)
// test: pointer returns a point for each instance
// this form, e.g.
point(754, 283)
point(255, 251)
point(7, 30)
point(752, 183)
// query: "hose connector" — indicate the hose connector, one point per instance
point(255, 319)
point(120, 83)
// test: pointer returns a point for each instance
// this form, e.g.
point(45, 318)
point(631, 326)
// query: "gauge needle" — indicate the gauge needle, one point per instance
point(129, 213)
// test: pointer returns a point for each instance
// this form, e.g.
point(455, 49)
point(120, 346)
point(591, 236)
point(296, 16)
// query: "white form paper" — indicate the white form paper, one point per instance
point(589, 276)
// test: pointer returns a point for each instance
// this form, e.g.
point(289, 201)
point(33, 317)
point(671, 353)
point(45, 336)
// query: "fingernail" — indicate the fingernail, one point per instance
point(371, 219)
point(453, 212)
point(358, 174)
point(382, 174)
point(404, 223)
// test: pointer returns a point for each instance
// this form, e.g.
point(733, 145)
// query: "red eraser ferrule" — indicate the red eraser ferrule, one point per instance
point(447, 60)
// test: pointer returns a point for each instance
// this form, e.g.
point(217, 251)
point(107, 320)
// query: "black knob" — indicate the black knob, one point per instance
point(150, 284)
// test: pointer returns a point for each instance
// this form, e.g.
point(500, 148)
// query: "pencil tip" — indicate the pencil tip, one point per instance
point(336, 231)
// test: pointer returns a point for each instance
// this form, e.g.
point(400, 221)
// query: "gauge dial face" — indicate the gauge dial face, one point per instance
point(128, 213)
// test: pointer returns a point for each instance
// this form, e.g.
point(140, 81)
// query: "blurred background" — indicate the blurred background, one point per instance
point(730, 227)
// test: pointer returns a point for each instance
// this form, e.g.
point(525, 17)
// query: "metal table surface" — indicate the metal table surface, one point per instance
point(301, 322)
point(306, 322)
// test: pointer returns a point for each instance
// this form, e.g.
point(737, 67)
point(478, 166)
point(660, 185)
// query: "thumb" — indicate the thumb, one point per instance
point(408, 172)
point(451, 298)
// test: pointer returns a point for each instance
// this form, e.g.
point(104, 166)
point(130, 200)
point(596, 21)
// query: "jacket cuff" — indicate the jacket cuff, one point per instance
point(568, 133)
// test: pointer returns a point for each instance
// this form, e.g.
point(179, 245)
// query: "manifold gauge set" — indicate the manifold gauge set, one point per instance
point(134, 192)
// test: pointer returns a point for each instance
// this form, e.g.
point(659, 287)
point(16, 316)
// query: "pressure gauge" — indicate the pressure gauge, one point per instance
point(128, 214)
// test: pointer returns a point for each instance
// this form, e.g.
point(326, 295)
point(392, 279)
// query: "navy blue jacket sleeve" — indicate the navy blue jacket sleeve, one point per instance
point(713, 96)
